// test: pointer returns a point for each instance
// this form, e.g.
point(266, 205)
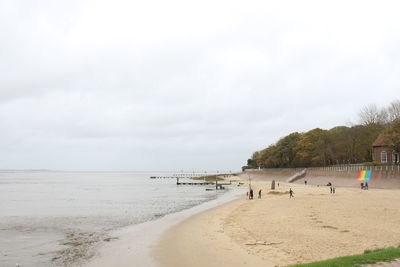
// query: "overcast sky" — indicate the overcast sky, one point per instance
point(184, 85)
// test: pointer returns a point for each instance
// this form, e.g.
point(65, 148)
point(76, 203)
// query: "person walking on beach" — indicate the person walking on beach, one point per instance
point(366, 186)
point(251, 194)
point(305, 182)
point(259, 193)
point(247, 195)
point(333, 190)
point(291, 193)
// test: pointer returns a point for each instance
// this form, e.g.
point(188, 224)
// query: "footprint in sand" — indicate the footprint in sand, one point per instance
point(329, 227)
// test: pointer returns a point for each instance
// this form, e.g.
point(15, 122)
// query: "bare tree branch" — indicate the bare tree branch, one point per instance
point(371, 114)
point(394, 110)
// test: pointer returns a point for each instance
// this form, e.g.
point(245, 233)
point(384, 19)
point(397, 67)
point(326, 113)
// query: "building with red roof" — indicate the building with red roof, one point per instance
point(382, 151)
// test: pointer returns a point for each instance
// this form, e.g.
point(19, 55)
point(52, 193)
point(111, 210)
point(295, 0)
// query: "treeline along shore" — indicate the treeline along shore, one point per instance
point(339, 145)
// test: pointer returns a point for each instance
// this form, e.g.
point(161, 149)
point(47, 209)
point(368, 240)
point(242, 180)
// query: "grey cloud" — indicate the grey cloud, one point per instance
point(123, 85)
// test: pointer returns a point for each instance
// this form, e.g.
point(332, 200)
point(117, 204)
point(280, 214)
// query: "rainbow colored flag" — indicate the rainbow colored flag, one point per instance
point(364, 175)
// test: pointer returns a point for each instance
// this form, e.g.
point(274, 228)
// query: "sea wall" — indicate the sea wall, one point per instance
point(278, 174)
point(381, 176)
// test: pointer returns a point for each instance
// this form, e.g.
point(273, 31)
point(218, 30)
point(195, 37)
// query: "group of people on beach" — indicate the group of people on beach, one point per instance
point(331, 187)
point(364, 186)
point(250, 194)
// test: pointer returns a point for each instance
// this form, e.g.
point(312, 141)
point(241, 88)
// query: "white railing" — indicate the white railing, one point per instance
point(337, 168)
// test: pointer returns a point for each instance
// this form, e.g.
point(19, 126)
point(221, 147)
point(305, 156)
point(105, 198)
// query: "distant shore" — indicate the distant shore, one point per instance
point(278, 231)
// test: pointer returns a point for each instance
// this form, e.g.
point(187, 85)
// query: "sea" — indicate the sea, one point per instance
point(59, 218)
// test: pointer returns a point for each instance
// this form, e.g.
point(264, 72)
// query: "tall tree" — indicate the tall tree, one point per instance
point(394, 130)
point(285, 149)
point(340, 145)
point(312, 149)
point(394, 110)
point(371, 114)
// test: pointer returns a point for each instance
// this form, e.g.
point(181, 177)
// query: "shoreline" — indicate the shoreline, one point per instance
point(200, 241)
point(278, 231)
point(135, 244)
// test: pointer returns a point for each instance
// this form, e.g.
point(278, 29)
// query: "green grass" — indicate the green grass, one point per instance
point(369, 257)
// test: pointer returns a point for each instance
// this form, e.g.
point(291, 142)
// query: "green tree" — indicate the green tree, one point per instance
point(319, 147)
point(394, 130)
point(312, 149)
point(286, 149)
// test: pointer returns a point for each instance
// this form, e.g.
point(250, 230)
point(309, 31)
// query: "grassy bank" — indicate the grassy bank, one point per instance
point(369, 257)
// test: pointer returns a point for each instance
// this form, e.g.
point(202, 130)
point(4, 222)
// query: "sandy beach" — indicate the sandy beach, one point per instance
point(278, 231)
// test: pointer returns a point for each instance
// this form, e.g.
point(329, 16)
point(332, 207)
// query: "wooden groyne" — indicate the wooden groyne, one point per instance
point(188, 175)
point(218, 186)
point(173, 177)
point(200, 179)
point(197, 183)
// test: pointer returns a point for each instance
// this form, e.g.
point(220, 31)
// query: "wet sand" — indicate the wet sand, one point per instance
point(134, 245)
point(278, 231)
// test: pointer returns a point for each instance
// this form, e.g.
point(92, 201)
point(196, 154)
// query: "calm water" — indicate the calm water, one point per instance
point(58, 218)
